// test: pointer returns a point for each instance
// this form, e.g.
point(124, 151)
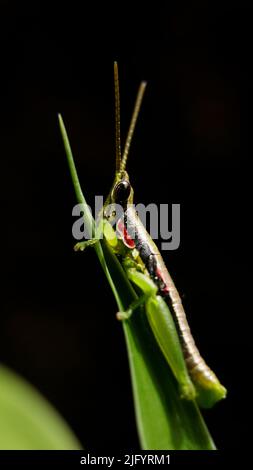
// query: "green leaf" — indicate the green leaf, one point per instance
point(164, 421)
point(27, 420)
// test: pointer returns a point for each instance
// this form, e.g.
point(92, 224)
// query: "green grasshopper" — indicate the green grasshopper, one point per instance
point(145, 268)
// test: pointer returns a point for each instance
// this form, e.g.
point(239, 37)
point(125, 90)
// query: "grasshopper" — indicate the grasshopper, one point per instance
point(146, 270)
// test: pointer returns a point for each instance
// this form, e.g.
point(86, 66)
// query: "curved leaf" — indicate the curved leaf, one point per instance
point(28, 421)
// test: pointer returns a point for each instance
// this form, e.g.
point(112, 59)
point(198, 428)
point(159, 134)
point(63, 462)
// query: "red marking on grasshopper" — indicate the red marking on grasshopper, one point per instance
point(128, 241)
point(165, 289)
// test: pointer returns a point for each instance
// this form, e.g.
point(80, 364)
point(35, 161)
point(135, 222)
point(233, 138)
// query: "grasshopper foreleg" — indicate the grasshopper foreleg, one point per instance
point(134, 305)
point(80, 246)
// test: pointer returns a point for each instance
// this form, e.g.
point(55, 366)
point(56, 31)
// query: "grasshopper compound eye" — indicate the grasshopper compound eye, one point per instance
point(122, 191)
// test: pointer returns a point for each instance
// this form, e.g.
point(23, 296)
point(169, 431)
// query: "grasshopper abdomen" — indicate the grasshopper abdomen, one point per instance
point(209, 388)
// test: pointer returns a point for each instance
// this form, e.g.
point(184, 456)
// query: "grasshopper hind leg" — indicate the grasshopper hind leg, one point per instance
point(163, 328)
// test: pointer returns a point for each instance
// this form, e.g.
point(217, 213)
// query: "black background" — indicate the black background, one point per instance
point(58, 326)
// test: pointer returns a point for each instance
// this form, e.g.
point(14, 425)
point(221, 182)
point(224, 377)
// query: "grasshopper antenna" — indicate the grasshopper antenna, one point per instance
point(117, 117)
point(132, 124)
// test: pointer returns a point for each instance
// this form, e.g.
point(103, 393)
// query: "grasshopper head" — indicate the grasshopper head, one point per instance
point(122, 191)
point(120, 195)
